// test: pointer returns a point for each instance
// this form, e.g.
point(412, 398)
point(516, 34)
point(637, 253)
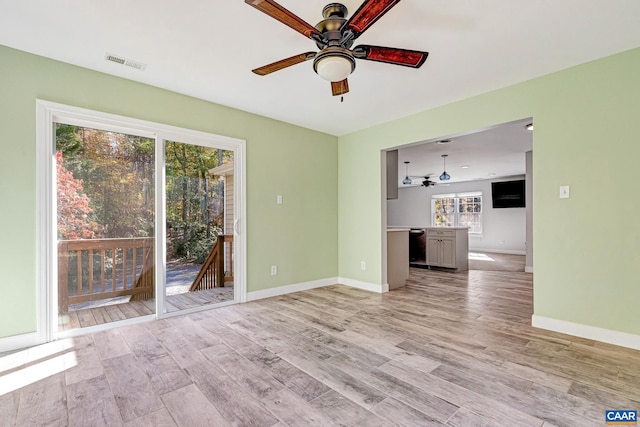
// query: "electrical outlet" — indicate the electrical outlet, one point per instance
point(363, 265)
point(274, 270)
point(279, 199)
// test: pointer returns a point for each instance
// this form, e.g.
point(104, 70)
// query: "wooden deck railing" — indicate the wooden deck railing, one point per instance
point(215, 271)
point(96, 269)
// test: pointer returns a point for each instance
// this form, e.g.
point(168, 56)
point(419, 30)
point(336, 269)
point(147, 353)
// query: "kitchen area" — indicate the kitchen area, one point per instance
point(421, 246)
point(425, 247)
point(439, 247)
point(459, 196)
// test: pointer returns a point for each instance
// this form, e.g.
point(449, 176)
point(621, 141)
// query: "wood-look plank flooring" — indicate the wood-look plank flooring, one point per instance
point(491, 261)
point(452, 349)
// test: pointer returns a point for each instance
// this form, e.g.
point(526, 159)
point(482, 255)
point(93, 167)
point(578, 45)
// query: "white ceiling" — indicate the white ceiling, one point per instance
point(488, 154)
point(206, 49)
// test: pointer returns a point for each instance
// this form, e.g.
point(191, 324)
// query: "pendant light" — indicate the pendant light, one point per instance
point(406, 180)
point(445, 176)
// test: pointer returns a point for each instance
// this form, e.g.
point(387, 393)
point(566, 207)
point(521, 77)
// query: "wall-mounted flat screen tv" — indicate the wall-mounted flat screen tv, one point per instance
point(508, 194)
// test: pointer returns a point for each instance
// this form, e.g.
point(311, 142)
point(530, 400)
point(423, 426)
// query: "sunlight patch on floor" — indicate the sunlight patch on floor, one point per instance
point(480, 257)
point(40, 365)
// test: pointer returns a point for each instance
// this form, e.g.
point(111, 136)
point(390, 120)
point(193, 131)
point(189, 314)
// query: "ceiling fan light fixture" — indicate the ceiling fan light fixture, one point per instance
point(444, 176)
point(334, 64)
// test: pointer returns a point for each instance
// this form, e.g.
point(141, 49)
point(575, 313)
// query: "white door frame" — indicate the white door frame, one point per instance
point(48, 113)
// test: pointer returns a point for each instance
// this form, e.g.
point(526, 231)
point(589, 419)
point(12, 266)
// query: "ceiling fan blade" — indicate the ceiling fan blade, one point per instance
point(367, 14)
point(340, 88)
point(284, 63)
point(283, 15)
point(390, 55)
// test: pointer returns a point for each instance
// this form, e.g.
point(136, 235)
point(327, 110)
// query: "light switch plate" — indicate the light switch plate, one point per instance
point(564, 191)
point(279, 199)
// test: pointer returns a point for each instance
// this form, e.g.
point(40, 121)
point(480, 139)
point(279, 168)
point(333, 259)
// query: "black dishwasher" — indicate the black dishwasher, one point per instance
point(417, 247)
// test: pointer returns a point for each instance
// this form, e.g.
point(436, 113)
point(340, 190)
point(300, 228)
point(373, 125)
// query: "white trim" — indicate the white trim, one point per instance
point(585, 331)
point(135, 320)
point(160, 226)
point(528, 269)
point(240, 221)
point(305, 286)
point(287, 289)
point(45, 227)
point(17, 342)
point(49, 112)
point(104, 326)
point(498, 251)
point(371, 287)
point(197, 309)
point(384, 252)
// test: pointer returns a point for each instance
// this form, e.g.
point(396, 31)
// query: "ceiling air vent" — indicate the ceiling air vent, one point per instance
point(124, 61)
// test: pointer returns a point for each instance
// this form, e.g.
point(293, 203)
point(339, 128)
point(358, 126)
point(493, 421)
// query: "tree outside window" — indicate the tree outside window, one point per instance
point(457, 210)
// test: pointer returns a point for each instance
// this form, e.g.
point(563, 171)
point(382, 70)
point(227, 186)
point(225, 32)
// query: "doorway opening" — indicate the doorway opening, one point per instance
point(448, 182)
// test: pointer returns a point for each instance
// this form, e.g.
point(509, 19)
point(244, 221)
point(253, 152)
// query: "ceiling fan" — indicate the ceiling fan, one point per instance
point(427, 182)
point(334, 36)
point(408, 179)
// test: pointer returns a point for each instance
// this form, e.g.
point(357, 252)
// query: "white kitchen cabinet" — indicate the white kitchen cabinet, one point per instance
point(448, 247)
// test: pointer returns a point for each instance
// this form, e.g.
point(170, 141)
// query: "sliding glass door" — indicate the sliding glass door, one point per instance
point(135, 219)
point(105, 225)
point(199, 210)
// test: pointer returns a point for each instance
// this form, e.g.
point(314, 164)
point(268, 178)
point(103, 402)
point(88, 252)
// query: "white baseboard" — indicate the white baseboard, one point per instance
point(305, 286)
point(622, 339)
point(371, 287)
point(287, 289)
point(498, 251)
point(528, 269)
point(17, 342)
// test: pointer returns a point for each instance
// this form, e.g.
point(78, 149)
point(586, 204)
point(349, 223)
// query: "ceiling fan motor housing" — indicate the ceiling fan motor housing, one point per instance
point(335, 61)
point(335, 9)
point(335, 15)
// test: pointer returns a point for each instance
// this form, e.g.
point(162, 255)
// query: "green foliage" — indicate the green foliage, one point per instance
point(194, 198)
point(198, 246)
point(115, 174)
point(67, 140)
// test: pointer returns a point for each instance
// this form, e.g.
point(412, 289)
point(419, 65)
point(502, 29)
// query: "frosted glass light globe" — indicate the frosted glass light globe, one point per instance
point(334, 68)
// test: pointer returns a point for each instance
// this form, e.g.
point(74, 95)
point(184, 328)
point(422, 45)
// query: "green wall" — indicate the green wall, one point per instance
point(586, 248)
point(299, 236)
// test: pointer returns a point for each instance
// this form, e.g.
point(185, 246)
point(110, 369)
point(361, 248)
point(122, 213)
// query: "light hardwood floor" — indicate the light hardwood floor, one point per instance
point(449, 348)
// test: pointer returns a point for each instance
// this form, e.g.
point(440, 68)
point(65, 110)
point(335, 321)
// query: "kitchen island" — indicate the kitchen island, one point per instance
point(444, 247)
